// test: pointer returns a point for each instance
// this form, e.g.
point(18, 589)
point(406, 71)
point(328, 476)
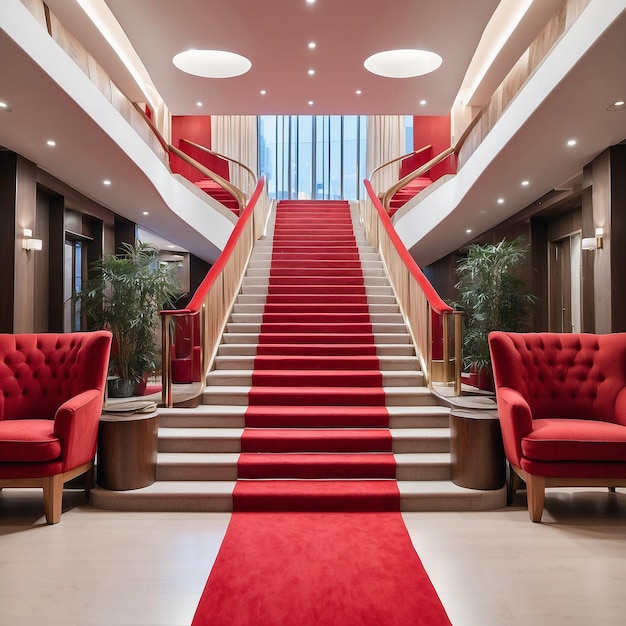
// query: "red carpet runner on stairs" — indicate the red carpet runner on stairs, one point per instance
point(317, 537)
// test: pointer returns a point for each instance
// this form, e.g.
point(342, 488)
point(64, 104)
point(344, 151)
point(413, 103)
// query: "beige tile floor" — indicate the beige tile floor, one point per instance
point(103, 568)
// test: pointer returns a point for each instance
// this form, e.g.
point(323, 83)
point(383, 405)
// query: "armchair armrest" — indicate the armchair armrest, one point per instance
point(620, 407)
point(515, 421)
point(76, 425)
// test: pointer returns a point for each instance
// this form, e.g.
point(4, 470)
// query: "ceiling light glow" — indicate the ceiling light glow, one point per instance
point(311, 72)
point(500, 201)
point(312, 45)
point(422, 102)
point(571, 142)
point(525, 183)
point(358, 92)
point(403, 63)
point(211, 63)
point(468, 230)
point(145, 212)
point(198, 104)
point(262, 92)
point(311, 103)
point(51, 143)
point(106, 182)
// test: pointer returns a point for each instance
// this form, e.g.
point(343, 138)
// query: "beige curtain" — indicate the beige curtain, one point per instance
point(235, 136)
point(385, 141)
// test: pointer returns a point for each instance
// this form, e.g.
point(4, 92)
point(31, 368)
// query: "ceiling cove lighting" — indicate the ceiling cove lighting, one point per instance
point(403, 63)
point(212, 63)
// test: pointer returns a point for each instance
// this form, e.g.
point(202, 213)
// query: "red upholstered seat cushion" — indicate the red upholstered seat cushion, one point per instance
point(563, 439)
point(28, 441)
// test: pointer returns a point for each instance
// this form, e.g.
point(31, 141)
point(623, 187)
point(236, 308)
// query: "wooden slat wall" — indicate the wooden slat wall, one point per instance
point(562, 21)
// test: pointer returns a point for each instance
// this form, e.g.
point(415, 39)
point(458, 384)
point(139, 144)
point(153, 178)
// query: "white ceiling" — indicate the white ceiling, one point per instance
point(273, 35)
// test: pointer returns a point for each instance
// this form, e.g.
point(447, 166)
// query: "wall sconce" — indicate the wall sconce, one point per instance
point(594, 243)
point(28, 243)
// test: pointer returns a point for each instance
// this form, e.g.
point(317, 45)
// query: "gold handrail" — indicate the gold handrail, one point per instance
point(403, 182)
point(223, 156)
point(153, 127)
point(213, 300)
point(404, 156)
point(239, 195)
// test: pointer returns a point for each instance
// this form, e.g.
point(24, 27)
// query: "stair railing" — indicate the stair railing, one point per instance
point(251, 175)
point(437, 339)
point(386, 196)
point(400, 158)
point(234, 191)
point(214, 298)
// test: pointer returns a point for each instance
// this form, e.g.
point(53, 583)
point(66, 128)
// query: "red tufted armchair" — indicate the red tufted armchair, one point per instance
point(562, 408)
point(51, 393)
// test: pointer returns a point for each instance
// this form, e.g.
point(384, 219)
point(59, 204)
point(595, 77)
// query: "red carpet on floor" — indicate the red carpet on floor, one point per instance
point(316, 537)
point(318, 569)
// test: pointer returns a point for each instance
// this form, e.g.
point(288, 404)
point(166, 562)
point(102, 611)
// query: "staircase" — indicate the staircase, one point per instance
point(317, 401)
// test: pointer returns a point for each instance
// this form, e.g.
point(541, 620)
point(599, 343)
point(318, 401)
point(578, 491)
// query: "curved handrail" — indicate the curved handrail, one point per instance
point(205, 171)
point(239, 195)
point(223, 156)
point(420, 171)
point(421, 305)
point(438, 305)
point(215, 295)
point(400, 158)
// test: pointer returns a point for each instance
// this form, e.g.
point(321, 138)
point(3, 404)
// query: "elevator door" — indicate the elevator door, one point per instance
point(565, 285)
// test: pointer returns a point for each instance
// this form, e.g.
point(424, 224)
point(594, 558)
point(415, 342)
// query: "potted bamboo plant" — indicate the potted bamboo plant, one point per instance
point(493, 296)
point(125, 294)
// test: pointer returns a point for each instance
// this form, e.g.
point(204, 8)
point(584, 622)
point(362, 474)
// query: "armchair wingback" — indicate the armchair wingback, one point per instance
point(51, 393)
point(562, 408)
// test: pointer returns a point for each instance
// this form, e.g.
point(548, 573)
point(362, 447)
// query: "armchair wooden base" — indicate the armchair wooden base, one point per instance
point(53, 488)
point(536, 487)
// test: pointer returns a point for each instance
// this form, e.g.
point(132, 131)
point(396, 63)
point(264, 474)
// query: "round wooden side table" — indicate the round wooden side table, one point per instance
point(127, 450)
point(476, 449)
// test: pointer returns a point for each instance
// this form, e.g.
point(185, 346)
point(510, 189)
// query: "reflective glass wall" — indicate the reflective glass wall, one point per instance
point(318, 157)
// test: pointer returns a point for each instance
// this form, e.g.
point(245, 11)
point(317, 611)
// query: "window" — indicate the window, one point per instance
point(318, 157)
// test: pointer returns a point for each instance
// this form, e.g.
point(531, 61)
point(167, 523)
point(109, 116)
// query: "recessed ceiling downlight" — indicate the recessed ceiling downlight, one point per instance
point(211, 63)
point(403, 63)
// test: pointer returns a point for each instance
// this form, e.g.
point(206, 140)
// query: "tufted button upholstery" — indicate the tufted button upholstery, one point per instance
point(51, 392)
point(40, 372)
point(562, 409)
point(563, 375)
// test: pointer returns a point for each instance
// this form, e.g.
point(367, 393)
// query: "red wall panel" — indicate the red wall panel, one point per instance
point(434, 130)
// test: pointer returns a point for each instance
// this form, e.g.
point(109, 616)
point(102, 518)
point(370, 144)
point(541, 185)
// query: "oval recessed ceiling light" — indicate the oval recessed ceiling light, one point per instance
point(311, 72)
point(145, 212)
point(5, 107)
point(312, 45)
point(198, 104)
point(500, 201)
point(525, 183)
point(358, 92)
point(212, 63)
point(468, 230)
point(106, 182)
point(571, 142)
point(423, 102)
point(262, 92)
point(616, 106)
point(311, 103)
point(403, 63)
point(51, 143)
